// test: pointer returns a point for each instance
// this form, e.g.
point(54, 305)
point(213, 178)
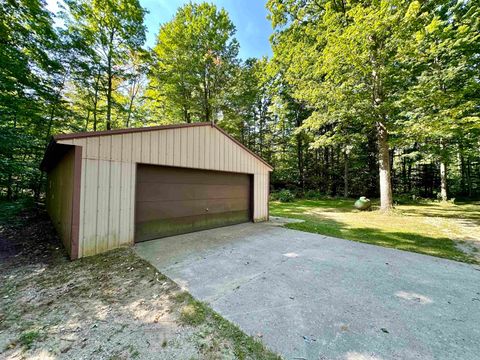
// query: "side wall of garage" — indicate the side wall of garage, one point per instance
point(60, 197)
point(109, 176)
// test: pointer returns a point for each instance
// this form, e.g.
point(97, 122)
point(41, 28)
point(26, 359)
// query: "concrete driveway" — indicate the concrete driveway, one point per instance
point(314, 297)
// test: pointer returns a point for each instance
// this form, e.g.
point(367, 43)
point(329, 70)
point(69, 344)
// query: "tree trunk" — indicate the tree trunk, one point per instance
point(443, 172)
point(386, 198)
point(443, 180)
point(133, 95)
point(129, 112)
point(109, 80)
point(462, 171)
point(186, 115)
point(95, 102)
point(345, 176)
point(392, 169)
point(409, 176)
point(372, 150)
point(300, 159)
point(326, 171)
point(469, 177)
point(38, 185)
point(334, 172)
point(10, 162)
point(87, 119)
point(206, 96)
point(301, 173)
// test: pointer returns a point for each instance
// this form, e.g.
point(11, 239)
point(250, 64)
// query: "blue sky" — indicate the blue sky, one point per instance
point(249, 17)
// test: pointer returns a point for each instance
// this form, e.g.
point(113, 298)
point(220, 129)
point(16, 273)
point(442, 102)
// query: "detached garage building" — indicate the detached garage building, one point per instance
point(109, 189)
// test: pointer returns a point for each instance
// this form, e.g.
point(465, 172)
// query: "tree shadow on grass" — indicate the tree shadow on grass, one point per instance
point(462, 212)
point(300, 207)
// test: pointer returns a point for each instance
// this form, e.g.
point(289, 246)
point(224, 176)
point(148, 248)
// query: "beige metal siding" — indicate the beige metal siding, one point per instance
point(109, 171)
point(60, 196)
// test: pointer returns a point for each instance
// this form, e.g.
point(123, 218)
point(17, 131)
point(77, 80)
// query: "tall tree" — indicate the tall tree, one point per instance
point(341, 60)
point(113, 29)
point(194, 63)
point(441, 101)
point(30, 81)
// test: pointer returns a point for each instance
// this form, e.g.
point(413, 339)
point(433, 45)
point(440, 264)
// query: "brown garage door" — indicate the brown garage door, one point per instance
point(172, 201)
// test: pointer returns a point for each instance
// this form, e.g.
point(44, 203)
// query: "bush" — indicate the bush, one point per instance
point(274, 196)
point(313, 194)
point(285, 196)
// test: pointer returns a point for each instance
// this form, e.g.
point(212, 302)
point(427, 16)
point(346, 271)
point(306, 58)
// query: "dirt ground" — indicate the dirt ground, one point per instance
point(111, 306)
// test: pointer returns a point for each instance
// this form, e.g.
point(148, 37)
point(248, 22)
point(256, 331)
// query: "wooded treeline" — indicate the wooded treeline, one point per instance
point(357, 93)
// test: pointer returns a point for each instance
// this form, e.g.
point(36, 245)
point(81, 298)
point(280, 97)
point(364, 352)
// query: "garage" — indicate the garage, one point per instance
point(108, 189)
point(172, 201)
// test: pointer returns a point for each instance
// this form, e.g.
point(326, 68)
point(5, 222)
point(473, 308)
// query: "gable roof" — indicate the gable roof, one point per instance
point(79, 135)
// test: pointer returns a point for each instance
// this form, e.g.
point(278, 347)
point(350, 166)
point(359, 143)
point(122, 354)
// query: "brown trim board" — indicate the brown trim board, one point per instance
point(76, 198)
point(268, 197)
point(125, 131)
point(252, 198)
point(135, 203)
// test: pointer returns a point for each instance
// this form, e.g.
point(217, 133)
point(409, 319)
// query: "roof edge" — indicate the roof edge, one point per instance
point(53, 154)
point(86, 134)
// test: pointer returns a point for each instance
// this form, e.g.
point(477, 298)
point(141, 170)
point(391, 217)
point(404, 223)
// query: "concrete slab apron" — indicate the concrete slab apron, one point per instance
point(314, 297)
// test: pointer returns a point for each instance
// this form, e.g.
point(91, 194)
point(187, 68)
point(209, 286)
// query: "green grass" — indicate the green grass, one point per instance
point(27, 338)
point(196, 313)
point(427, 228)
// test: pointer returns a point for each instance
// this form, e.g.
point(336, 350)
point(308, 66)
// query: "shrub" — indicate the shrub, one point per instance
point(312, 194)
point(274, 196)
point(285, 196)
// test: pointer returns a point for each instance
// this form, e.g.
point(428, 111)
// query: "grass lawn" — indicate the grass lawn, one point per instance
point(449, 231)
point(109, 306)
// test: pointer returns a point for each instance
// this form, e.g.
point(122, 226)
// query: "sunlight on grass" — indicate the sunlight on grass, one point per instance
point(428, 228)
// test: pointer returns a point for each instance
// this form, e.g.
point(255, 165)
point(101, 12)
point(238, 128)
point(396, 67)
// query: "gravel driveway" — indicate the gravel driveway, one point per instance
point(309, 296)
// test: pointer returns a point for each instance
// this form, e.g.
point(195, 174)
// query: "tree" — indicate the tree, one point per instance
point(130, 94)
point(30, 81)
point(357, 92)
point(441, 101)
point(194, 62)
point(341, 60)
point(112, 29)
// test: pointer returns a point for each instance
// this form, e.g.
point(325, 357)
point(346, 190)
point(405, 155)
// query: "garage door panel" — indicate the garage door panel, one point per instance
point(226, 218)
point(151, 191)
point(148, 230)
point(166, 192)
point(150, 210)
point(149, 174)
point(220, 205)
point(172, 200)
point(227, 191)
